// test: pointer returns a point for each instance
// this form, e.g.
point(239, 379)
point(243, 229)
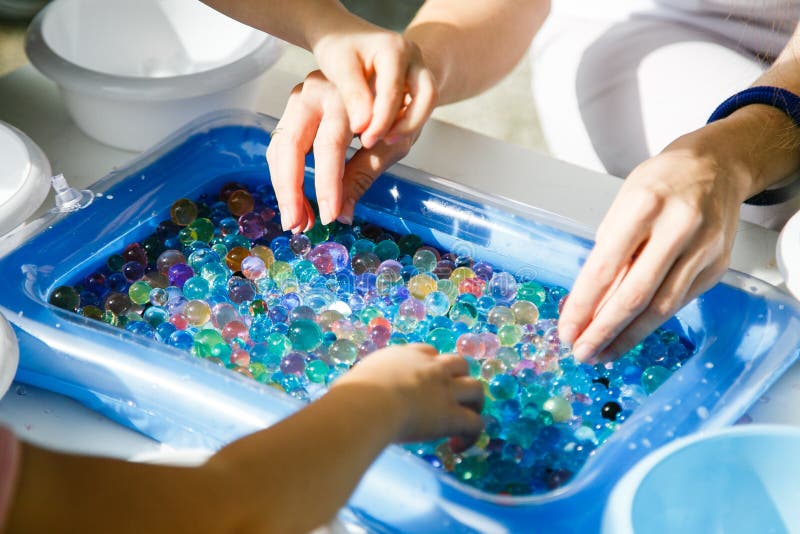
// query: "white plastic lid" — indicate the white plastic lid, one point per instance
point(788, 254)
point(24, 177)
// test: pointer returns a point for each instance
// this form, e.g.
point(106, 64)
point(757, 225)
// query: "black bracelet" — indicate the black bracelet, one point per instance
point(776, 97)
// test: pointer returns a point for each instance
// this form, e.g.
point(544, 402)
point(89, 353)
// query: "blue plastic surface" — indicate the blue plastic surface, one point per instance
point(746, 332)
point(747, 483)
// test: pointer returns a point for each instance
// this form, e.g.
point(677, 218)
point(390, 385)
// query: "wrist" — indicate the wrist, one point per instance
point(379, 408)
point(327, 17)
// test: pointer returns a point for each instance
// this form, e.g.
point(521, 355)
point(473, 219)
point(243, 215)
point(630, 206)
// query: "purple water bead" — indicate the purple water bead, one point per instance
point(240, 290)
point(251, 225)
point(329, 257)
point(300, 244)
point(503, 286)
point(413, 308)
point(179, 273)
point(293, 364)
point(133, 271)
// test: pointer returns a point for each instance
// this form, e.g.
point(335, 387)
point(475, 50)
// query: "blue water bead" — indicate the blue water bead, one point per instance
point(502, 286)
point(155, 315)
point(181, 339)
point(140, 328)
point(408, 271)
point(213, 271)
point(228, 226)
point(172, 243)
point(164, 331)
point(399, 294)
point(117, 282)
point(329, 257)
point(503, 386)
point(437, 303)
point(345, 237)
point(318, 299)
point(202, 257)
point(290, 301)
point(442, 321)
point(365, 283)
point(278, 314)
point(240, 289)
point(345, 282)
point(484, 304)
point(361, 245)
point(506, 409)
point(397, 339)
point(356, 303)
point(196, 287)
point(89, 298)
point(260, 328)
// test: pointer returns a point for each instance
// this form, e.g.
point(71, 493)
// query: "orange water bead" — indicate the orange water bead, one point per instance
point(240, 202)
point(473, 286)
point(379, 321)
point(240, 358)
point(234, 257)
point(264, 253)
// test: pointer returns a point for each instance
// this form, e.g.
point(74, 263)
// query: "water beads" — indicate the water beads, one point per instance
point(221, 280)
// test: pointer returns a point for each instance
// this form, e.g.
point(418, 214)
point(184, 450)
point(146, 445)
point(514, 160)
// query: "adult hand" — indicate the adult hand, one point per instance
point(666, 238)
point(387, 89)
point(316, 117)
point(434, 395)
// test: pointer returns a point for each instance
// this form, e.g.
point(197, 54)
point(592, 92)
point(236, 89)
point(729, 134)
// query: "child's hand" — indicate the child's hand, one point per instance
point(433, 395)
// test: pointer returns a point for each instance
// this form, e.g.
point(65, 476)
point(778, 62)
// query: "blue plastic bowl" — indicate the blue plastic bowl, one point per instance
point(739, 480)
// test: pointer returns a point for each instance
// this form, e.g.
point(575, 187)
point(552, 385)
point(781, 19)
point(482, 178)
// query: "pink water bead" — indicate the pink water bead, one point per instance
point(412, 307)
point(329, 257)
point(470, 345)
point(235, 329)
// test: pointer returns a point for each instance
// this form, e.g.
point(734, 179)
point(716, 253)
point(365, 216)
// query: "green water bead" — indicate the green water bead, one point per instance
point(317, 371)
point(279, 271)
point(509, 334)
point(653, 377)
point(195, 287)
point(278, 345)
point(111, 318)
point(409, 243)
point(305, 335)
point(369, 313)
point(318, 233)
point(559, 409)
point(500, 315)
point(115, 263)
point(471, 468)
point(259, 371)
point(442, 339)
point(343, 351)
point(205, 340)
point(508, 356)
point(387, 250)
point(65, 297)
point(204, 229)
point(463, 312)
point(361, 245)
point(525, 312)
point(305, 271)
point(448, 288)
point(187, 235)
point(532, 292)
point(424, 260)
point(92, 312)
point(139, 292)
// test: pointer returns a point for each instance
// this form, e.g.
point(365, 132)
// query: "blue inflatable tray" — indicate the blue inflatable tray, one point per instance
point(746, 333)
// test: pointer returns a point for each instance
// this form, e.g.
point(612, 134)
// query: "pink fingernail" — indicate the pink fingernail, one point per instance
point(567, 332)
point(287, 220)
point(345, 219)
point(325, 212)
point(392, 139)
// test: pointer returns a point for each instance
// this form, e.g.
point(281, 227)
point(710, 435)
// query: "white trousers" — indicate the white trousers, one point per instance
point(615, 81)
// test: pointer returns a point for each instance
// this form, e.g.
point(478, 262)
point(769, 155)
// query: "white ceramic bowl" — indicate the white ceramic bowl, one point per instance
point(738, 480)
point(133, 71)
point(788, 254)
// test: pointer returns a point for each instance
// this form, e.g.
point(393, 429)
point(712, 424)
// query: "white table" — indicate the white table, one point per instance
point(31, 103)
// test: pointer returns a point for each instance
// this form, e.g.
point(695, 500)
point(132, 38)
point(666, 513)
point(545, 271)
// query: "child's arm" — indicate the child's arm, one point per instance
point(291, 477)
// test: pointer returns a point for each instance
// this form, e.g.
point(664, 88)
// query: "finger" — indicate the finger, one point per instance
point(470, 425)
point(422, 88)
point(286, 156)
point(390, 82)
point(456, 365)
point(637, 288)
point(310, 218)
point(469, 393)
point(424, 348)
point(347, 74)
point(619, 236)
point(689, 278)
point(330, 148)
point(363, 169)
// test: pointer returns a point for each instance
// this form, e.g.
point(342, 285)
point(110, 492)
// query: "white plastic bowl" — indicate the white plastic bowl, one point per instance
point(133, 71)
point(24, 177)
point(788, 254)
point(739, 480)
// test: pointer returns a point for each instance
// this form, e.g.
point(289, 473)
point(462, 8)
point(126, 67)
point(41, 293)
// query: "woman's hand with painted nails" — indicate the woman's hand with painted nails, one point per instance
point(316, 116)
point(666, 238)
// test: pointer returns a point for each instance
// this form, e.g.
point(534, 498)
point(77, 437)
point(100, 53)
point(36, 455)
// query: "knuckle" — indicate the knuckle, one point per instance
point(361, 182)
point(634, 300)
point(665, 305)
